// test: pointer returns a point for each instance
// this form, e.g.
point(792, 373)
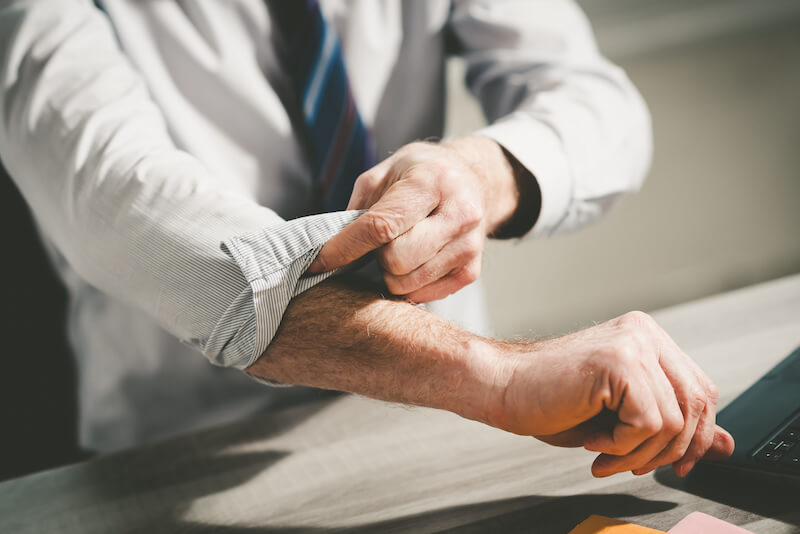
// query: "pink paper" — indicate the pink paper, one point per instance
point(700, 523)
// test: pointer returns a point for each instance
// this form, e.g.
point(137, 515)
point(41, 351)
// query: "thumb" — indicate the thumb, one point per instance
point(401, 207)
point(365, 234)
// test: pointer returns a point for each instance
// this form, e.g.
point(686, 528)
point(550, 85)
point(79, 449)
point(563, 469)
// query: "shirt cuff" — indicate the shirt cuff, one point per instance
point(273, 261)
point(539, 148)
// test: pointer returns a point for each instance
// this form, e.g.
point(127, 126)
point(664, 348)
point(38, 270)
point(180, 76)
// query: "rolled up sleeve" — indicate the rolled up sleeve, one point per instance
point(131, 214)
point(273, 261)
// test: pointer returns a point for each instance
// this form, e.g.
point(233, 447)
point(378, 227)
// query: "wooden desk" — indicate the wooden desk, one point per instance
point(351, 463)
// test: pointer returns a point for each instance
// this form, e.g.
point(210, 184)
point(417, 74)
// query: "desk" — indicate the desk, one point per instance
point(353, 463)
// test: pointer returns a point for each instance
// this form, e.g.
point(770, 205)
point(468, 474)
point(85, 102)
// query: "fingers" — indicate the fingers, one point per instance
point(701, 442)
point(370, 185)
point(622, 457)
point(686, 401)
point(577, 435)
point(449, 284)
point(692, 442)
point(697, 395)
point(403, 205)
point(455, 265)
point(450, 221)
point(639, 416)
point(698, 423)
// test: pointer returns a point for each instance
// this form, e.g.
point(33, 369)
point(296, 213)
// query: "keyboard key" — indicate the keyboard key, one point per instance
point(792, 461)
point(772, 445)
point(769, 456)
point(790, 435)
point(784, 446)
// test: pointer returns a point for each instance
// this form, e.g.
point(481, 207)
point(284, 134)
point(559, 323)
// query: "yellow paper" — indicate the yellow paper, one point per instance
point(597, 524)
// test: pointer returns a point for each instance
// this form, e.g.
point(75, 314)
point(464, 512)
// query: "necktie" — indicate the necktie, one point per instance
point(339, 145)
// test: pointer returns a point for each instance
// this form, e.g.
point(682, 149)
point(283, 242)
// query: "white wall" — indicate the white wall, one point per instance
point(721, 207)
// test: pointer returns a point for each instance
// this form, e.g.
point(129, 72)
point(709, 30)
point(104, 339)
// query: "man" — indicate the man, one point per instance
point(167, 148)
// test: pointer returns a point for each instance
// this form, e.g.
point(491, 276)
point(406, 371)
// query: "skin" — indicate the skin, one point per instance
point(430, 210)
point(623, 388)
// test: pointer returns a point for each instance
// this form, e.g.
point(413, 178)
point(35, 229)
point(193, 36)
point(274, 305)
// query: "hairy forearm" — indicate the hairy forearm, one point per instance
point(335, 336)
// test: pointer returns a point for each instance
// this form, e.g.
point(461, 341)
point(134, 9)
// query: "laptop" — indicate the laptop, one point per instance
point(765, 422)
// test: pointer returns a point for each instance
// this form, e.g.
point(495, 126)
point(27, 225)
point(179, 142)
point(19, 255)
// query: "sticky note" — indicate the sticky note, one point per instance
point(598, 524)
point(700, 523)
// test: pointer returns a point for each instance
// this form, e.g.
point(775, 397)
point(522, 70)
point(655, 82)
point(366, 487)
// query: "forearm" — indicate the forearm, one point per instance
point(337, 337)
point(618, 388)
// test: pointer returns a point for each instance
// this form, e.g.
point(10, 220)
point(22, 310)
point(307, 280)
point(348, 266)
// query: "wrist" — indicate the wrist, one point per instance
point(482, 383)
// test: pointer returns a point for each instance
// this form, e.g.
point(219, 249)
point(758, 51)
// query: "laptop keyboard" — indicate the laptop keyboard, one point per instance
point(784, 448)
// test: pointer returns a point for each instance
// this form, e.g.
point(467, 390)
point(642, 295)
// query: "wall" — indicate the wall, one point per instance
point(721, 208)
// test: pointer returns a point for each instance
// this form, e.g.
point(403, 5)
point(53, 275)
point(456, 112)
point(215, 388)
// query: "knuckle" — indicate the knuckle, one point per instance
point(450, 180)
point(696, 401)
point(636, 320)
point(672, 424)
point(675, 453)
point(366, 182)
point(471, 212)
point(713, 391)
point(364, 179)
point(450, 173)
point(392, 261)
point(425, 175)
point(624, 351)
point(651, 424)
point(469, 273)
point(382, 228)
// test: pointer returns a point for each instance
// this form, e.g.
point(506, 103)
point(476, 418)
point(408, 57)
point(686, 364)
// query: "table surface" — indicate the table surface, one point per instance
point(356, 464)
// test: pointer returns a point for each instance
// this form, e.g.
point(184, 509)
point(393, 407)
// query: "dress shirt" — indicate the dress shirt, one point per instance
point(154, 149)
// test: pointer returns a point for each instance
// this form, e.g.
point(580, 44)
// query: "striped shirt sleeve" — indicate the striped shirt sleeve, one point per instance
point(131, 214)
point(273, 261)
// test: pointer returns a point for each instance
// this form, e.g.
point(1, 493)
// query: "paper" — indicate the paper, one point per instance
point(598, 524)
point(700, 523)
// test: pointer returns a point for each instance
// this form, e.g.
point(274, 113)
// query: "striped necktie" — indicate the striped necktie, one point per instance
point(338, 143)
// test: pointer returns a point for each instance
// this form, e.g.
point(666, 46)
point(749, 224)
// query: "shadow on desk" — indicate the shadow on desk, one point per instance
point(161, 495)
point(767, 497)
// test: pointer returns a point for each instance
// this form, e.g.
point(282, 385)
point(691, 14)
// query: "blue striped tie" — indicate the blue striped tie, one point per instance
point(339, 145)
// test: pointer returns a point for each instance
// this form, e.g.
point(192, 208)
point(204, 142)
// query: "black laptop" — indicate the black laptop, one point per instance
point(765, 422)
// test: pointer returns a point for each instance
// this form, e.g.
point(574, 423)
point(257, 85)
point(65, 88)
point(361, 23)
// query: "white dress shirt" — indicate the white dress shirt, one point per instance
point(167, 181)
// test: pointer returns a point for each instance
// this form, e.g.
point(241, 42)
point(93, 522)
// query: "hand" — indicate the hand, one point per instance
point(622, 388)
point(431, 207)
